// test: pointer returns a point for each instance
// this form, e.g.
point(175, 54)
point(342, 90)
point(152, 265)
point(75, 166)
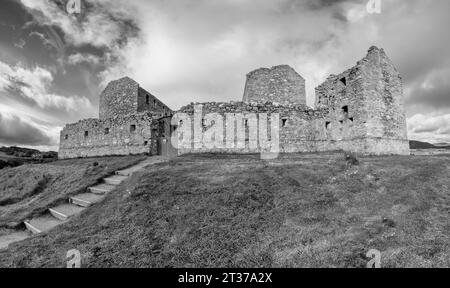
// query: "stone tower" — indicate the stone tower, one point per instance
point(279, 84)
point(125, 97)
point(366, 106)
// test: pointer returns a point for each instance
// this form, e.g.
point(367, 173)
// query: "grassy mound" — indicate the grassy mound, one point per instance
point(29, 190)
point(238, 211)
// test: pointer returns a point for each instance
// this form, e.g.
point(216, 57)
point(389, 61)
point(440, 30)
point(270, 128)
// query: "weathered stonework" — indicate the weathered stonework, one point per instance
point(122, 135)
point(128, 124)
point(124, 96)
point(279, 84)
point(360, 110)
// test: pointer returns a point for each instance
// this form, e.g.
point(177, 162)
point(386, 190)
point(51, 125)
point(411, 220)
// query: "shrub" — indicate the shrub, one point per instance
point(351, 159)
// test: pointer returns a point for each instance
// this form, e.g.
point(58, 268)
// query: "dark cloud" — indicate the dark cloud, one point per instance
point(432, 93)
point(426, 129)
point(445, 131)
point(14, 131)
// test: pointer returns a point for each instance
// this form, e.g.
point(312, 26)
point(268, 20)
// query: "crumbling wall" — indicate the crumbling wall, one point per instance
point(384, 95)
point(125, 135)
point(299, 126)
point(119, 98)
point(147, 102)
point(366, 102)
point(279, 84)
point(344, 96)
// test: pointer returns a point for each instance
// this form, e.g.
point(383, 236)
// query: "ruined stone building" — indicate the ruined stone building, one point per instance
point(130, 122)
point(360, 110)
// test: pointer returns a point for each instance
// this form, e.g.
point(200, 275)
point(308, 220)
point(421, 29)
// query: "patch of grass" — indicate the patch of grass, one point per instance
point(29, 190)
point(239, 211)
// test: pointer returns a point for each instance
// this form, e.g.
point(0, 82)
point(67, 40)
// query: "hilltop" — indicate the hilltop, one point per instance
point(300, 210)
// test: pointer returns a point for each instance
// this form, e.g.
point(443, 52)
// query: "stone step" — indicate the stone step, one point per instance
point(115, 180)
point(101, 189)
point(42, 224)
point(11, 238)
point(128, 172)
point(86, 199)
point(64, 212)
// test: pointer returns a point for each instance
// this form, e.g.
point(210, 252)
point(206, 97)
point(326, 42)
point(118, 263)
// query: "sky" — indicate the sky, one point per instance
point(54, 64)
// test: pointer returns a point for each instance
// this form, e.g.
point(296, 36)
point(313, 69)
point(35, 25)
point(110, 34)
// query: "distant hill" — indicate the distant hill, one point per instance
point(426, 145)
point(420, 145)
point(15, 156)
point(442, 145)
point(27, 153)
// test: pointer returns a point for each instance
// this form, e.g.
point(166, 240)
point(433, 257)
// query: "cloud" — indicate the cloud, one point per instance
point(102, 24)
point(431, 127)
point(79, 58)
point(34, 85)
point(20, 44)
point(195, 58)
point(15, 131)
point(433, 92)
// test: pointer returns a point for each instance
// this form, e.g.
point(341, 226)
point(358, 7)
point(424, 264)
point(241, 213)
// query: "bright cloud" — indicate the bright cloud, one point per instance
point(34, 84)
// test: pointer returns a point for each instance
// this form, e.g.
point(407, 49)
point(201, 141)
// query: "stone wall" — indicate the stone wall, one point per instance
point(147, 102)
point(125, 135)
point(300, 128)
point(366, 102)
point(119, 98)
point(279, 84)
point(359, 110)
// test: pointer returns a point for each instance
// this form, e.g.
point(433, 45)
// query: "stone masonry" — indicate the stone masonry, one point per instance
point(360, 110)
point(128, 124)
point(280, 84)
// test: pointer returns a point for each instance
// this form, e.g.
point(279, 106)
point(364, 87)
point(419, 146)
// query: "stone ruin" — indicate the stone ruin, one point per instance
point(130, 121)
point(360, 110)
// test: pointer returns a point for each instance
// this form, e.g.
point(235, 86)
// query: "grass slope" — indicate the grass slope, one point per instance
point(29, 190)
point(238, 211)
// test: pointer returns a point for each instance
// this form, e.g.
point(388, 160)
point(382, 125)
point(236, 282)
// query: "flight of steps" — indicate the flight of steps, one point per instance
point(76, 204)
point(80, 202)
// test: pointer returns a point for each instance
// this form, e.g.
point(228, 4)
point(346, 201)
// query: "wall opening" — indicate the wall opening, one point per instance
point(344, 81)
point(345, 109)
point(145, 143)
point(132, 128)
point(106, 131)
point(284, 122)
point(351, 119)
point(147, 99)
point(66, 137)
point(327, 124)
point(86, 133)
